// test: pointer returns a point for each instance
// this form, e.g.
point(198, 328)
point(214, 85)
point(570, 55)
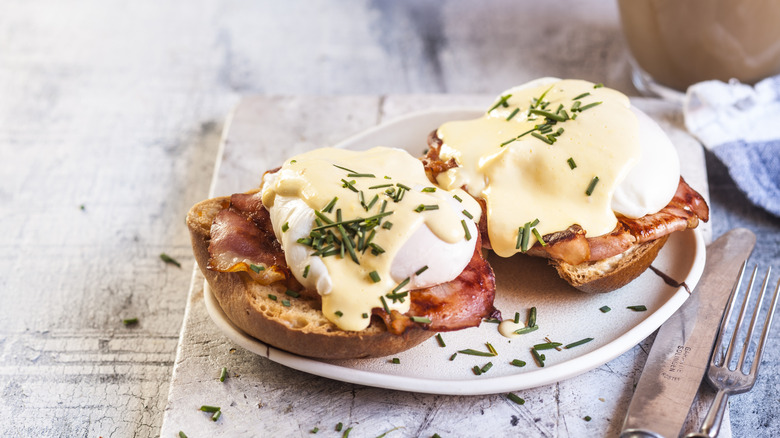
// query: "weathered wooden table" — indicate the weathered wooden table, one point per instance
point(118, 107)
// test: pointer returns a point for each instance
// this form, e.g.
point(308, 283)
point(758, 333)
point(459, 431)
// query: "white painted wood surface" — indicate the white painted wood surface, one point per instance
point(262, 398)
point(119, 105)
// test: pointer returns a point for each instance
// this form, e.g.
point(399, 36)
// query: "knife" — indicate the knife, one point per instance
point(678, 358)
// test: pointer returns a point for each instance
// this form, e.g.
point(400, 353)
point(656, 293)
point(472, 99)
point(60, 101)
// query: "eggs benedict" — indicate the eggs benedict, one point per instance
point(569, 170)
point(345, 254)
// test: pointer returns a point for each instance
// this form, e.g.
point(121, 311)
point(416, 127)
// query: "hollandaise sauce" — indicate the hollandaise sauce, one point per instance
point(345, 218)
point(545, 156)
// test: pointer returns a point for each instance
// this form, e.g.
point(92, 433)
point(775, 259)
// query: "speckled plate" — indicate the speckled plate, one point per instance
point(563, 314)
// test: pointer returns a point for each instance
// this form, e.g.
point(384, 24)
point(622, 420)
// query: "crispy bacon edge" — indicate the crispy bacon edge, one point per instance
point(685, 210)
point(242, 237)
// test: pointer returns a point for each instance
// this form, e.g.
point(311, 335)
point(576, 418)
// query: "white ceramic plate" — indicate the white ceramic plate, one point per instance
point(563, 314)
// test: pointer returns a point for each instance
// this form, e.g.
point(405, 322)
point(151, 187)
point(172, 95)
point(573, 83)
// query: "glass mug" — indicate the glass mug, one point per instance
point(676, 43)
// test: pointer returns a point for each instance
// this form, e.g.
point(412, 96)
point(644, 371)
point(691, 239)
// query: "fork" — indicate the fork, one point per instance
point(720, 374)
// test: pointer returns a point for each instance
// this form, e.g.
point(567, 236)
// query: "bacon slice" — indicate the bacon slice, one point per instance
point(242, 235)
point(685, 210)
point(455, 305)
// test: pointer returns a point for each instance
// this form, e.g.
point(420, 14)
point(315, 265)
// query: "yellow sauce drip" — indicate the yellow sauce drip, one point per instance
point(315, 178)
point(527, 178)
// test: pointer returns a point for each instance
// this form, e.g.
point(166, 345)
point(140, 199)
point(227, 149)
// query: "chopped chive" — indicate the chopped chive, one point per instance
point(170, 260)
point(491, 349)
point(548, 114)
point(639, 308)
point(400, 296)
point(361, 175)
point(518, 363)
point(374, 276)
point(420, 319)
point(588, 106)
point(541, 98)
point(306, 271)
point(182, 434)
point(457, 198)
point(387, 225)
point(381, 186)
point(330, 205)
point(338, 313)
point(344, 168)
point(440, 340)
point(547, 346)
point(396, 360)
point(519, 237)
point(384, 304)
point(515, 398)
point(580, 342)
point(526, 237)
point(592, 185)
point(272, 297)
point(315, 430)
point(575, 107)
point(130, 321)
point(286, 303)
point(292, 293)
point(477, 371)
point(542, 138)
point(339, 427)
point(524, 330)
point(401, 285)
point(423, 207)
point(376, 249)
point(216, 415)
point(472, 352)
point(453, 356)
point(256, 268)
point(207, 408)
point(508, 141)
point(466, 229)
point(517, 318)
point(572, 164)
point(365, 316)
point(285, 227)
point(467, 214)
point(538, 237)
point(599, 85)
point(349, 185)
point(532, 317)
point(604, 309)
point(421, 270)
point(514, 113)
point(403, 187)
point(373, 201)
point(582, 95)
point(537, 357)
point(485, 368)
point(223, 374)
point(429, 189)
point(492, 320)
point(587, 418)
point(501, 101)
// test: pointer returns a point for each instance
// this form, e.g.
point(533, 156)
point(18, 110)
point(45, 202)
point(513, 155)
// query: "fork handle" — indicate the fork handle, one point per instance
point(711, 426)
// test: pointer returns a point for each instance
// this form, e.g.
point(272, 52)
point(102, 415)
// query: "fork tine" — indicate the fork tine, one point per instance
point(751, 328)
point(765, 332)
point(727, 318)
point(730, 352)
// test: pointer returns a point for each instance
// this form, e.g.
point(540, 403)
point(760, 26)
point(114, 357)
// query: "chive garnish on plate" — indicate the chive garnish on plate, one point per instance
point(466, 231)
point(605, 309)
point(639, 308)
point(421, 270)
point(547, 346)
point(256, 268)
point(580, 342)
point(374, 276)
point(420, 319)
point(223, 374)
point(170, 260)
point(130, 321)
point(440, 340)
point(518, 363)
point(572, 164)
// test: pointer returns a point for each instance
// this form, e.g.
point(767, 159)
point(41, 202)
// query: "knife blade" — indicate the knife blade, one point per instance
point(678, 358)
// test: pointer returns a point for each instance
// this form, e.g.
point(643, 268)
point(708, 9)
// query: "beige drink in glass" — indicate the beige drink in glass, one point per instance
point(676, 43)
